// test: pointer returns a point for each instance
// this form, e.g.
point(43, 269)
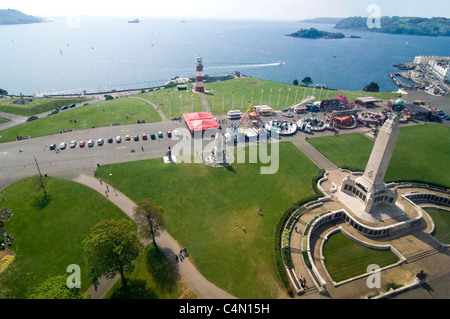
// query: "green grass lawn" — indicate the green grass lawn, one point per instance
point(162, 280)
point(203, 203)
point(441, 220)
point(96, 114)
point(38, 105)
point(341, 265)
point(47, 238)
point(174, 103)
point(422, 153)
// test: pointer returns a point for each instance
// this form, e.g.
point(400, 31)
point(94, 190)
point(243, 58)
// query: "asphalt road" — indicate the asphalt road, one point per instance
point(15, 165)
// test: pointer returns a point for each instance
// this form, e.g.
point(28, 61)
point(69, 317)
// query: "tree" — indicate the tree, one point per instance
point(295, 82)
point(3, 92)
point(372, 87)
point(111, 247)
point(56, 288)
point(149, 218)
point(307, 81)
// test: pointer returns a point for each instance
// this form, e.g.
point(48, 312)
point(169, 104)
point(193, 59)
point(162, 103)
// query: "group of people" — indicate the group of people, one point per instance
point(302, 281)
point(183, 254)
point(9, 240)
point(237, 226)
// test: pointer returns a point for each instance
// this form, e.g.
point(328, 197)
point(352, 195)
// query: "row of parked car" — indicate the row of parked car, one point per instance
point(118, 139)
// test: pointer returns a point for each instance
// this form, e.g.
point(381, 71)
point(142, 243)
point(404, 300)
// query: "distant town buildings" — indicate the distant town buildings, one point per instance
point(439, 65)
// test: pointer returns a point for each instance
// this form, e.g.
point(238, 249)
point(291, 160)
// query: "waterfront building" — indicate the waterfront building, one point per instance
point(441, 70)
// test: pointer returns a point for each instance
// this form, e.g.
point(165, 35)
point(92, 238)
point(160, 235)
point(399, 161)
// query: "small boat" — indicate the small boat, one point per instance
point(134, 21)
point(280, 62)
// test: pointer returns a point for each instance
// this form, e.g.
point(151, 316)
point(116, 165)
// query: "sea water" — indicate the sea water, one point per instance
point(96, 54)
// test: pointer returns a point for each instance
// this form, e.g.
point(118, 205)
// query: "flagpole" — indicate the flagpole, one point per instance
point(232, 101)
point(270, 97)
point(279, 95)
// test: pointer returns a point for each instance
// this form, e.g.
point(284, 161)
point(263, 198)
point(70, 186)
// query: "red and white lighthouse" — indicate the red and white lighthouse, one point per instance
point(199, 76)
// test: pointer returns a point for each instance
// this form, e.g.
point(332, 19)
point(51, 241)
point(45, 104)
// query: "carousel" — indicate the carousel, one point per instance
point(282, 128)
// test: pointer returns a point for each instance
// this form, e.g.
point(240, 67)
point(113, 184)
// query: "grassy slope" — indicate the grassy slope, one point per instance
point(47, 240)
point(97, 114)
point(242, 99)
point(38, 105)
point(203, 203)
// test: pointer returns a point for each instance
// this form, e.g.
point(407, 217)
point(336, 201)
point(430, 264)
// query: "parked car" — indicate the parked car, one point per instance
point(446, 117)
point(110, 140)
point(52, 147)
point(176, 133)
point(63, 145)
point(118, 139)
point(72, 144)
point(65, 107)
point(136, 137)
point(169, 134)
point(144, 136)
point(127, 137)
point(100, 141)
point(152, 135)
point(90, 143)
point(160, 134)
point(72, 105)
point(82, 143)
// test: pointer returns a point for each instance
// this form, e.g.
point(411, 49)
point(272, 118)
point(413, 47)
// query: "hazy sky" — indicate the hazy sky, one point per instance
point(252, 9)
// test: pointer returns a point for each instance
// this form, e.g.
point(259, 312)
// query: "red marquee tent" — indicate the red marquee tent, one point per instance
point(200, 121)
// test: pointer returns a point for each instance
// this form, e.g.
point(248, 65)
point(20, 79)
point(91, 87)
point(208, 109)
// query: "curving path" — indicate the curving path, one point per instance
point(157, 109)
point(202, 287)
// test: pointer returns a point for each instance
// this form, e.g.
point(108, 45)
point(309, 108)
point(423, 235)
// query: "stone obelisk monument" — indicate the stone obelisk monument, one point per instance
point(370, 187)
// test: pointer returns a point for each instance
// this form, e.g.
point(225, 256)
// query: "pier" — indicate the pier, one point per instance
point(398, 82)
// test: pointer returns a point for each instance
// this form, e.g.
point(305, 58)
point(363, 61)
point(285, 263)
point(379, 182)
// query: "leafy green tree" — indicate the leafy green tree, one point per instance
point(372, 87)
point(307, 81)
point(111, 247)
point(3, 92)
point(56, 288)
point(295, 82)
point(149, 218)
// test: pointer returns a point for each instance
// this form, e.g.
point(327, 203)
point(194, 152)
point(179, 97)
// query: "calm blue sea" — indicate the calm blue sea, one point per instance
point(69, 55)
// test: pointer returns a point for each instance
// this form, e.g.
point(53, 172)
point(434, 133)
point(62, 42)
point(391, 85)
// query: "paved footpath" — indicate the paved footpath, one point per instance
point(202, 287)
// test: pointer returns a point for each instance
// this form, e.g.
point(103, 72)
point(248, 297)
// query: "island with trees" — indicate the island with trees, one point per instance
point(436, 26)
point(313, 33)
point(11, 16)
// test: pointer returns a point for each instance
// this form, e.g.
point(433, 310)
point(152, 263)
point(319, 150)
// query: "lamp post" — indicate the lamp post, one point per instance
point(110, 174)
point(40, 176)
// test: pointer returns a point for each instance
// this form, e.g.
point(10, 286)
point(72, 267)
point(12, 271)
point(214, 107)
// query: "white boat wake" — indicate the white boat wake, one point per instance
point(246, 66)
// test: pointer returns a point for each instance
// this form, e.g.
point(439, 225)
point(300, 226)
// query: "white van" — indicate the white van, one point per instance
point(234, 114)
